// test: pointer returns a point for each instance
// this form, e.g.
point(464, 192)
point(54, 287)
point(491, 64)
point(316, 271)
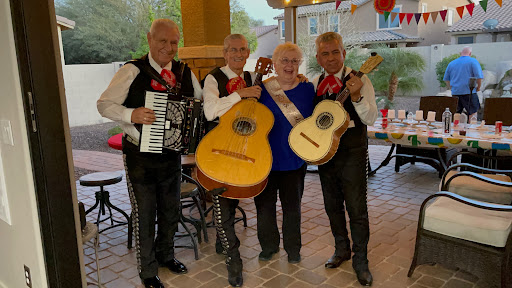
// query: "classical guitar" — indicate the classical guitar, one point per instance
point(236, 154)
point(316, 138)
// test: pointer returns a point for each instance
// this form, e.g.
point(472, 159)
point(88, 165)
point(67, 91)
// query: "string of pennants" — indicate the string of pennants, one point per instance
point(386, 6)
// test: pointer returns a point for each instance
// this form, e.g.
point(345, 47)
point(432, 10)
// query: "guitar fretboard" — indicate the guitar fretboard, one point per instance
point(342, 96)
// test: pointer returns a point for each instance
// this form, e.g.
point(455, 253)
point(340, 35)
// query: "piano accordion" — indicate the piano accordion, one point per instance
point(179, 125)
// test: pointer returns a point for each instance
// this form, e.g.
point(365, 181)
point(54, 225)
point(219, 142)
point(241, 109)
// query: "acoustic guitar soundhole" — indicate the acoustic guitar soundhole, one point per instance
point(244, 126)
point(324, 120)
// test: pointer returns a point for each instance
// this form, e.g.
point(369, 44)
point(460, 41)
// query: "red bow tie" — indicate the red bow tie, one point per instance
point(235, 84)
point(331, 84)
point(168, 77)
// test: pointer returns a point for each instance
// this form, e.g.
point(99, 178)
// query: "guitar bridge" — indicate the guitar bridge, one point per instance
point(234, 155)
point(309, 139)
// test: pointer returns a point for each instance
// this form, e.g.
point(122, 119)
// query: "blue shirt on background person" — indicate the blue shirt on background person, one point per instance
point(458, 73)
point(284, 159)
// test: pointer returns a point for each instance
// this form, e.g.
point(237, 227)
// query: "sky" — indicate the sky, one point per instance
point(259, 9)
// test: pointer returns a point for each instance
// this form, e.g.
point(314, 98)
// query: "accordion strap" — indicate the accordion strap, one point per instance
point(151, 72)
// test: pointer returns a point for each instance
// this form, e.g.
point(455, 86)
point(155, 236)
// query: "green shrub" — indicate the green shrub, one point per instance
point(114, 131)
point(443, 64)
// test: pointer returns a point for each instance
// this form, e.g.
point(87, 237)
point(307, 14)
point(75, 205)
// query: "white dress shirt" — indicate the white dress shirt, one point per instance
point(367, 108)
point(110, 104)
point(213, 105)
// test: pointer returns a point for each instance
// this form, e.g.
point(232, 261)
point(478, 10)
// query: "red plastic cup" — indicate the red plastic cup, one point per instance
point(499, 127)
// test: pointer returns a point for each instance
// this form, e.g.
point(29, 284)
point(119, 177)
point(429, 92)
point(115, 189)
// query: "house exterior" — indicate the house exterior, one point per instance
point(472, 30)
point(371, 27)
point(267, 41)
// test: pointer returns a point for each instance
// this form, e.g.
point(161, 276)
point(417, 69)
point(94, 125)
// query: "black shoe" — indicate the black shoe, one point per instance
point(336, 260)
point(294, 259)
point(364, 276)
point(235, 278)
point(176, 266)
point(153, 282)
point(267, 255)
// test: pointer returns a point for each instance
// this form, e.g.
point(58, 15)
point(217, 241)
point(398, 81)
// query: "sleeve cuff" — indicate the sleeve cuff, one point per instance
point(127, 115)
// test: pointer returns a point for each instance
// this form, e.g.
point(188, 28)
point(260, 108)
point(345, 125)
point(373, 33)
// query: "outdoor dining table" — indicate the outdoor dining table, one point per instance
point(431, 135)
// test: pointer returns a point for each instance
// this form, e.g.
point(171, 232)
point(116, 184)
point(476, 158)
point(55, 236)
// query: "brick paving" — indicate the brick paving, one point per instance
point(394, 200)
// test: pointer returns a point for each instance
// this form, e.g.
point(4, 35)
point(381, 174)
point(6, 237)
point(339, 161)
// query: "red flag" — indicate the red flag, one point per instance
point(460, 10)
point(401, 16)
point(425, 17)
point(338, 2)
point(443, 14)
point(409, 17)
point(470, 7)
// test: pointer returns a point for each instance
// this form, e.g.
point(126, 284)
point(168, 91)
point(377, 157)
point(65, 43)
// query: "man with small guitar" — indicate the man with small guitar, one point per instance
point(223, 88)
point(153, 179)
point(343, 178)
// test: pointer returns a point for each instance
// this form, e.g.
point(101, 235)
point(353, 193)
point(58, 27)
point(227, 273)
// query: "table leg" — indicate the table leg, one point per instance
point(385, 161)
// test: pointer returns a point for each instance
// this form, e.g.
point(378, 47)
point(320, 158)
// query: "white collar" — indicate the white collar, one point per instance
point(157, 67)
point(230, 73)
point(340, 73)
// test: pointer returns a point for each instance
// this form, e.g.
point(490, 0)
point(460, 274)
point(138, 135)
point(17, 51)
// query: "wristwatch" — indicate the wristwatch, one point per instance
point(359, 100)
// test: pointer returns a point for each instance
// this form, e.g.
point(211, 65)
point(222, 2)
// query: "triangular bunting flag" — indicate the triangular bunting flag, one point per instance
point(401, 16)
point(460, 10)
point(418, 17)
point(386, 16)
point(393, 16)
point(409, 17)
point(500, 2)
point(353, 8)
point(338, 2)
point(425, 17)
point(470, 8)
point(434, 16)
point(483, 4)
point(443, 14)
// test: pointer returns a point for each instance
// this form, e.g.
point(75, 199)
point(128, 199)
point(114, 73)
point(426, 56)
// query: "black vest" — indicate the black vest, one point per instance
point(222, 82)
point(355, 136)
point(142, 83)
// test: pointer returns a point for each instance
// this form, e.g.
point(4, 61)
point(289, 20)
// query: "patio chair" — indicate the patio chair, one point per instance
point(435, 157)
point(470, 226)
point(498, 109)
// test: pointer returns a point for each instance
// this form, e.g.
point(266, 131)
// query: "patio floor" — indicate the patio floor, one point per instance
point(394, 200)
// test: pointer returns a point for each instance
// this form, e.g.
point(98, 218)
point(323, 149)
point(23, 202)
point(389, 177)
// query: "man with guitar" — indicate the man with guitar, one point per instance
point(153, 179)
point(343, 178)
point(223, 88)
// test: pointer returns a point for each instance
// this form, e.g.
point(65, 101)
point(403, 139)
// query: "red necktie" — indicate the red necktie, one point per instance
point(330, 84)
point(168, 77)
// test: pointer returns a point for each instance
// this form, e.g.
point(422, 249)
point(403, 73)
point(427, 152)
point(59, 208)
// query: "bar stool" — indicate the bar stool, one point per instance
point(102, 199)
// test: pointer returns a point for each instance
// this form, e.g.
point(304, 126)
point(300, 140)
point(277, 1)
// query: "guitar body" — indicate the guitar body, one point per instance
point(316, 138)
point(236, 154)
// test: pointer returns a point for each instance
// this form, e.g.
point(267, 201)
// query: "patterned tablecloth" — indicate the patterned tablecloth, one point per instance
point(422, 135)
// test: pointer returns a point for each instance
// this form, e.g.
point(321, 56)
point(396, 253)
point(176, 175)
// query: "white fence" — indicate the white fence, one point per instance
point(85, 83)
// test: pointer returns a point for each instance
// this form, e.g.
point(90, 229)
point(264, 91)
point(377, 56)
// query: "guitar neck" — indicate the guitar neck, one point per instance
point(258, 80)
point(343, 95)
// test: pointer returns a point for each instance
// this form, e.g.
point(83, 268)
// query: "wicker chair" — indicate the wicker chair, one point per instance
point(468, 234)
point(435, 157)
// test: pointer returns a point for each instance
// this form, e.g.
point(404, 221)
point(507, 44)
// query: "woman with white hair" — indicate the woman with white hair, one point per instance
point(288, 170)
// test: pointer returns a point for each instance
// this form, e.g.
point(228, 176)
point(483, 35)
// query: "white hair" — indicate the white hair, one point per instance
point(163, 22)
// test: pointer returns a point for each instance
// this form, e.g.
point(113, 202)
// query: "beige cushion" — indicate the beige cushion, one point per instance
point(450, 217)
point(475, 189)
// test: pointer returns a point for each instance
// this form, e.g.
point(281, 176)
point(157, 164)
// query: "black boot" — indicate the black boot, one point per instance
point(235, 278)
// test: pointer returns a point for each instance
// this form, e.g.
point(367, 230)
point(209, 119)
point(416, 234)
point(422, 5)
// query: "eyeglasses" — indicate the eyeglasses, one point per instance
point(242, 50)
point(294, 61)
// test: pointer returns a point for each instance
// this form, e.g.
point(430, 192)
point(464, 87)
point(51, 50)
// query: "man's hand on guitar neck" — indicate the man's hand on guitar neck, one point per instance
point(354, 85)
point(250, 92)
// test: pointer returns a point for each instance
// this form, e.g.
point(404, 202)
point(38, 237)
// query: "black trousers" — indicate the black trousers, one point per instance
point(154, 186)
point(344, 183)
point(290, 185)
point(228, 211)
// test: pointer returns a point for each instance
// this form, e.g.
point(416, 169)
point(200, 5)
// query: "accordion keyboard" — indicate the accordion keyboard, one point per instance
point(152, 136)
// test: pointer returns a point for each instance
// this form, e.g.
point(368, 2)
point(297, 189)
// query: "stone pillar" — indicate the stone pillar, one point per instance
point(205, 25)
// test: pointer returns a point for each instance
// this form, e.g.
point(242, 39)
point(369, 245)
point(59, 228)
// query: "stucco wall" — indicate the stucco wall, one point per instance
point(266, 45)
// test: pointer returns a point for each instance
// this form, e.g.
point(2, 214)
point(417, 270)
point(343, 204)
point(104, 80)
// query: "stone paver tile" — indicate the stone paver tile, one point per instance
point(279, 281)
point(430, 281)
point(342, 278)
point(205, 276)
point(435, 271)
point(266, 273)
point(384, 250)
point(118, 283)
point(217, 282)
point(456, 283)
point(466, 276)
point(107, 275)
point(283, 266)
point(309, 277)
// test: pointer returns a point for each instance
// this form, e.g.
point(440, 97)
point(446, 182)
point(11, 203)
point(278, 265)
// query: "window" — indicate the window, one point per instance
point(334, 23)
point(281, 29)
point(424, 8)
point(465, 39)
point(313, 25)
point(450, 17)
point(383, 24)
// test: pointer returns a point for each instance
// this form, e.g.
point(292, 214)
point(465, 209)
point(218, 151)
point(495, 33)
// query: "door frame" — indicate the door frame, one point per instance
point(38, 55)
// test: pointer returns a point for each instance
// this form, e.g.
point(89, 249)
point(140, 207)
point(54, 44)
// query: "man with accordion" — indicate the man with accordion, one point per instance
point(153, 179)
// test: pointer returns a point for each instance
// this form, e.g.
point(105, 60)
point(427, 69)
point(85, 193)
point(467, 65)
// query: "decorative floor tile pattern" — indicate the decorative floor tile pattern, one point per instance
point(394, 200)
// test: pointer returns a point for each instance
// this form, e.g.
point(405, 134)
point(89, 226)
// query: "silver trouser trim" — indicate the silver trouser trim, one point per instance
point(217, 219)
point(135, 213)
point(131, 140)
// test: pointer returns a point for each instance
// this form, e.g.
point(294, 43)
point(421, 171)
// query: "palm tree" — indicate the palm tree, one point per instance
point(401, 70)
